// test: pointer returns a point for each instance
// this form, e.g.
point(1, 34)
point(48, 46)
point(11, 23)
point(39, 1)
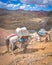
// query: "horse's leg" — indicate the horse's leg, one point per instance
point(25, 47)
point(46, 38)
point(8, 47)
point(7, 44)
point(49, 37)
point(12, 46)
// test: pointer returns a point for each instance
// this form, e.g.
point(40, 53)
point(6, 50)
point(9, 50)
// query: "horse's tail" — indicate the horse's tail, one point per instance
point(7, 40)
point(7, 43)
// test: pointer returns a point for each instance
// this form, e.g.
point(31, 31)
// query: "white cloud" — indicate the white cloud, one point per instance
point(13, 0)
point(43, 6)
point(24, 6)
point(12, 5)
point(1, 3)
point(38, 2)
point(28, 7)
point(18, 4)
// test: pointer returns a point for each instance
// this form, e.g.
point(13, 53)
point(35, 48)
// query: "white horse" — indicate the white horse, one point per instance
point(35, 37)
point(12, 40)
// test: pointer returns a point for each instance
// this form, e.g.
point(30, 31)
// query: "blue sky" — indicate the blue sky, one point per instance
point(32, 5)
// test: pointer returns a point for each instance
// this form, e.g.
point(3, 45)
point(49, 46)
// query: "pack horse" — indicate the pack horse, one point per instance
point(21, 36)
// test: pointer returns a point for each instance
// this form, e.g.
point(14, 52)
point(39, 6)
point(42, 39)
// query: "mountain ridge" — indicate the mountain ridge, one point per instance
point(11, 19)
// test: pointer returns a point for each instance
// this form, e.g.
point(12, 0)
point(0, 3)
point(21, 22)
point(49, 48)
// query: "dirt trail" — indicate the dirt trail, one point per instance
point(36, 54)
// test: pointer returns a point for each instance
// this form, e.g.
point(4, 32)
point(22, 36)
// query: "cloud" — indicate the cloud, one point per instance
point(22, 7)
point(12, 5)
point(25, 7)
point(26, 4)
point(29, 7)
point(1, 3)
point(38, 2)
point(13, 0)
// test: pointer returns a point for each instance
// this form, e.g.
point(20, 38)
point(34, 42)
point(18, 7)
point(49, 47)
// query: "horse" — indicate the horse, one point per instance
point(37, 37)
point(46, 37)
point(34, 37)
point(12, 39)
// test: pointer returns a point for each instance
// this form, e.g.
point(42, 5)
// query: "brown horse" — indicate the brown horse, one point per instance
point(46, 37)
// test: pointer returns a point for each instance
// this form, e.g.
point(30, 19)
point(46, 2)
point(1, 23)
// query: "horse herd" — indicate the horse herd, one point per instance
point(13, 39)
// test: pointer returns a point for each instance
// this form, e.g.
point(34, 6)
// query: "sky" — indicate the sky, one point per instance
point(32, 5)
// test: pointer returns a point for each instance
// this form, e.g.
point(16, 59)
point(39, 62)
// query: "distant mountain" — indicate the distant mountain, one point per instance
point(11, 19)
point(50, 13)
point(34, 13)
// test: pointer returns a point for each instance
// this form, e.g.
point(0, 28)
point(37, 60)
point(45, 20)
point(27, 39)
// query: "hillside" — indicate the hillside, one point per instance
point(31, 19)
point(37, 53)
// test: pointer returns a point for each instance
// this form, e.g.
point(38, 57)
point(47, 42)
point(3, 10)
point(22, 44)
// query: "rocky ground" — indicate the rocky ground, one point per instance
point(37, 53)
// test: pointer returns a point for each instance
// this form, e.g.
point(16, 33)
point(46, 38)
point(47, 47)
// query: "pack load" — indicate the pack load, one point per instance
point(22, 32)
point(42, 32)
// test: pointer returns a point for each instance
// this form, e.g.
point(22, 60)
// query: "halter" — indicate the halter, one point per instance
point(12, 35)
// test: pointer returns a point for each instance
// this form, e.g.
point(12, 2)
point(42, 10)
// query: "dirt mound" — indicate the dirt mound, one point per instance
point(3, 34)
point(38, 56)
